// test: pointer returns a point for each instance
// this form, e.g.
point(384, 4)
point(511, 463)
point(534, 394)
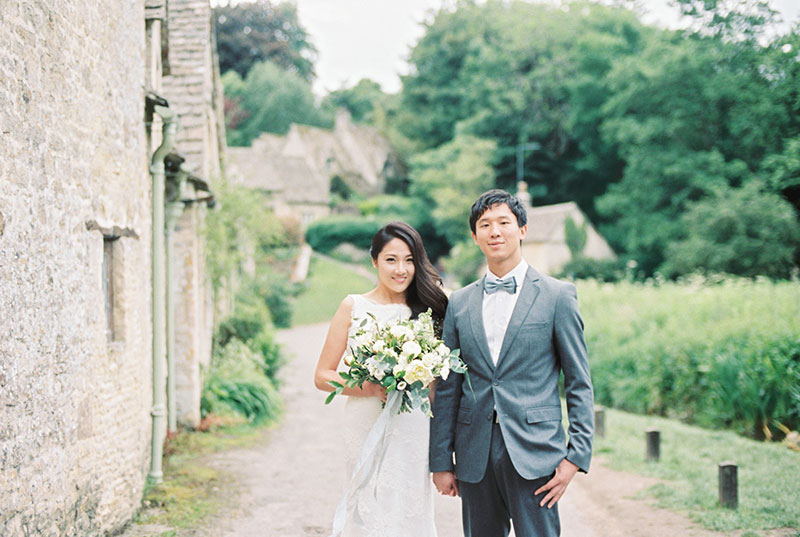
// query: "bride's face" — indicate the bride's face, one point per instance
point(395, 266)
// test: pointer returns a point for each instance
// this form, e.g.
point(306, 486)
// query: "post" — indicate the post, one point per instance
point(653, 445)
point(600, 422)
point(728, 485)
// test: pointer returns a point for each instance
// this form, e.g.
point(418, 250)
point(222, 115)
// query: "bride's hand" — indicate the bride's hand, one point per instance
point(371, 389)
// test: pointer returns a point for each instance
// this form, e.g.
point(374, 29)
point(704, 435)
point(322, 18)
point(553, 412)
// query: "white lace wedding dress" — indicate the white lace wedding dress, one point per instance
point(400, 501)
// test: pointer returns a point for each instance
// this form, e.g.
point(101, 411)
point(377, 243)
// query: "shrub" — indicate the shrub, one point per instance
point(236, 384)
point(719, 353)
point(243, 326)
point(584, 268)
point(326, 234)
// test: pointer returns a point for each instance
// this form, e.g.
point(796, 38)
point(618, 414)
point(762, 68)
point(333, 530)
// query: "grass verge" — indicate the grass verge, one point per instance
point(190, 490)
point(768, 473)
point(328, 283)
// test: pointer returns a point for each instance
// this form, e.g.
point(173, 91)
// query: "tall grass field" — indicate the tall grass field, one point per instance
point(721, 354)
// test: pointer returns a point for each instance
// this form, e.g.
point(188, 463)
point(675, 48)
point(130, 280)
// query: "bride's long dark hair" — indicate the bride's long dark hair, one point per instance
point(425, 291)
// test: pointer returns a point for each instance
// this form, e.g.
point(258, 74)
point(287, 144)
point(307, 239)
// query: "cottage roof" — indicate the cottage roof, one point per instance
point(546, 223)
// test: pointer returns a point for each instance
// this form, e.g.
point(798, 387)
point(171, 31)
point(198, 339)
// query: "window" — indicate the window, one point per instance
point(108, 284)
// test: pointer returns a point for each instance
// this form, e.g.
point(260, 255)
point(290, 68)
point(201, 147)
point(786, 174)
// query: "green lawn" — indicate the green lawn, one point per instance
point(769, 473)
point(327, 284)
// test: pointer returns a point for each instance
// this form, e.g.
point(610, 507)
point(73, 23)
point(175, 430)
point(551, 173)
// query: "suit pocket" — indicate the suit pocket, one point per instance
point(464, 416)
point(545, 413)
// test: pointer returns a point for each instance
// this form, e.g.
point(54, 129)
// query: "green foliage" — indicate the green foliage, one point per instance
point(236, 383)
point(449, 179)
point(269, 99)
point(584, 268)
point(261, 30)
point(416, 211)
point(361, 100)
point(464, 263)
point(240, 228)
point(742, 231)
point(325, 234)
point(575, 236)
point(635, 124)
point(721, 353)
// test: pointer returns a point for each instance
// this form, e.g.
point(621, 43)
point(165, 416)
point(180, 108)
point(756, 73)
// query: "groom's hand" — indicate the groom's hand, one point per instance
point(446, 483)
point(555, 488)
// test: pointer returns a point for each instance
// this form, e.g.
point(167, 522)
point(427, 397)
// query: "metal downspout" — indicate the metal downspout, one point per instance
point(174, 211)
point(157, 171)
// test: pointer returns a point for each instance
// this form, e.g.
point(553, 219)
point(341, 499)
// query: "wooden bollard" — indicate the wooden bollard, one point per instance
point(728, 485)
point(600, 422)
point(653, 444)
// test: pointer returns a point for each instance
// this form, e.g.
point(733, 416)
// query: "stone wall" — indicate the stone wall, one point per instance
point(74, 403)
point(194, 91)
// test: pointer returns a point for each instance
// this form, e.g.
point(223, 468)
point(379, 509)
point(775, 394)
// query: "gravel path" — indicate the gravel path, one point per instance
point(290, 483)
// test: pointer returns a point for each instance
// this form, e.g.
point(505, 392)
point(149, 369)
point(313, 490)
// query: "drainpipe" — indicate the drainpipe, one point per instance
point(174, 211)
point(157, 171)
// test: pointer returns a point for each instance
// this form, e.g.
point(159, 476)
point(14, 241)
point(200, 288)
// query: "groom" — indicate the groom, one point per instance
point(517, 330)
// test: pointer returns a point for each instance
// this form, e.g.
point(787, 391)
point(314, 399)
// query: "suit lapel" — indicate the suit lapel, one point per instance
point(476, 321)
point(524, 303)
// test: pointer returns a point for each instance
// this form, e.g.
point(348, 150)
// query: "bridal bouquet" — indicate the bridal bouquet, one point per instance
point(403, 356)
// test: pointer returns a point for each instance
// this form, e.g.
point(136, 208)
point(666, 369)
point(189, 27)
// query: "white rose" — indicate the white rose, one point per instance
point(445, 372)
point(362, 339)
point(430, 359)
point(443, 350)
point(417, 371)
point(401, 385)
point(411, 348)
point(399, 368)
point(400, 332)
point(390, 352)
point(378, 346)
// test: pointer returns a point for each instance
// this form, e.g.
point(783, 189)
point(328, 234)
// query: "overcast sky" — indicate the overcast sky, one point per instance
point(371, 38)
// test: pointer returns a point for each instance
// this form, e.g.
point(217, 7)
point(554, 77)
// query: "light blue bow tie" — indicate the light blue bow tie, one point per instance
point(509, 285)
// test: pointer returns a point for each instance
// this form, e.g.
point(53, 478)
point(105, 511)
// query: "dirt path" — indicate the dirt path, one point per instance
point(289, 485)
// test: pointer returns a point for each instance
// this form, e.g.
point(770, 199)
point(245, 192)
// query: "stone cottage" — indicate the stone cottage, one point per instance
point(90, 96)
point(545, 246)
point(297, 170)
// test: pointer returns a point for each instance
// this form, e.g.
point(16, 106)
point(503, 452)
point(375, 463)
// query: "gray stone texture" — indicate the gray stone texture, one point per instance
point(75, 422)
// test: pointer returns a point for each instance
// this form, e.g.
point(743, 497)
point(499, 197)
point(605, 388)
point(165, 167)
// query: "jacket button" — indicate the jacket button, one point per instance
point(496, 383)
point(489, 416)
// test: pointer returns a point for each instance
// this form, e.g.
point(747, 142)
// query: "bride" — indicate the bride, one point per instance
point(399, 500)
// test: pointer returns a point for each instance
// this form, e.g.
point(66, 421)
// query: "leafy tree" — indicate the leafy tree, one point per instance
point(270, 99)
point(508, 72)
point(251, 32)
point(361, 100)
point(449, 178)
point(744, 231)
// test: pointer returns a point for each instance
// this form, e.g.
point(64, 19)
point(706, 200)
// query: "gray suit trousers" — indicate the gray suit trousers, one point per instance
point(502, 494)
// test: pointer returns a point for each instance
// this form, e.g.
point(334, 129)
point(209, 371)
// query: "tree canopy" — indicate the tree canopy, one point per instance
point(251, 32)
point(269, 99)
point(644, 128)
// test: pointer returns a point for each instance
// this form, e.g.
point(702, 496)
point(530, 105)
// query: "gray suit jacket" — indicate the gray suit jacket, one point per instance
point(544, 337)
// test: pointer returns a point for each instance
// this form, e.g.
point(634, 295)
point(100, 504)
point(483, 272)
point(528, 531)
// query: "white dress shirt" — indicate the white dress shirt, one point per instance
point(498, 307)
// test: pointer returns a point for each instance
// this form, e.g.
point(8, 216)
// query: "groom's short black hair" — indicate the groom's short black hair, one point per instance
point(493, 197)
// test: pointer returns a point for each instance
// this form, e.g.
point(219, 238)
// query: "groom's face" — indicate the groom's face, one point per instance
point(498, 235)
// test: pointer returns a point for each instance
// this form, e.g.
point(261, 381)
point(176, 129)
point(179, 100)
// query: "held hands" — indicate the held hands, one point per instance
point(370, 389)
point(446, 483)
point(565, 471)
